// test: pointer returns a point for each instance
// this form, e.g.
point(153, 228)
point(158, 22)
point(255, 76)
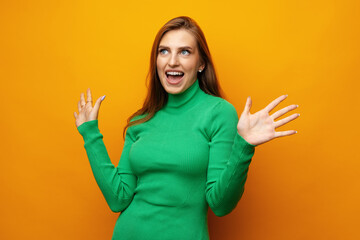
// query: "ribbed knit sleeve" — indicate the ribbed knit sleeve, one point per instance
point(229, 159)
point(116, 183)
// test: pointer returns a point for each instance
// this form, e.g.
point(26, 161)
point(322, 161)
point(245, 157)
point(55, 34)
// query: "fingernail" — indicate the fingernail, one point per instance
point(102, 98)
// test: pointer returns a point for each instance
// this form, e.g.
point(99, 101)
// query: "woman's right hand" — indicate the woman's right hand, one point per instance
point(86, 110)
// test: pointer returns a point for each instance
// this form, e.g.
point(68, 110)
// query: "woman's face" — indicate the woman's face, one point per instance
point(178, 61)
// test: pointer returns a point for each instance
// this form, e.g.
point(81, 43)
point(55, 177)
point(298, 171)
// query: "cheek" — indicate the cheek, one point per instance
point(159, 62)
point(191, 63)
point(160, 69)
point(191, 66)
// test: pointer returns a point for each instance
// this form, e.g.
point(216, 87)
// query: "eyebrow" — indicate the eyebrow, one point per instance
point(183, 47)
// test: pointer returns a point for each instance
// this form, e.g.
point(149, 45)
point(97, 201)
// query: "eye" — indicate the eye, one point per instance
point(185, 52)
point(163, 51)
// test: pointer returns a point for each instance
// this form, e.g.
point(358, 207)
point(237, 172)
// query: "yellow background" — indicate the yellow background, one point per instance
point(304, 186)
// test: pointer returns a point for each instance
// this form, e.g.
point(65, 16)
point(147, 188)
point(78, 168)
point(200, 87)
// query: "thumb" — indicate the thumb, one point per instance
point(98, 103)
point(248, 105)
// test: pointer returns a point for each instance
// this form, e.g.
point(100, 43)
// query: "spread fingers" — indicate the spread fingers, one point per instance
point(82, 100)
point(79, 106)
point(89, 98)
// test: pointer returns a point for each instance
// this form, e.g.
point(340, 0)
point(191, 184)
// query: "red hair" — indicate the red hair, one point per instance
point(157, 96)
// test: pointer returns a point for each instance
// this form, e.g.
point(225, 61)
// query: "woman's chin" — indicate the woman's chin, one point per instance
point(173, 89)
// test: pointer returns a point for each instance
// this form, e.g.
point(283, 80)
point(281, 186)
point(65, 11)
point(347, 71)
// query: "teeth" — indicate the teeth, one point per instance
point(174, 73)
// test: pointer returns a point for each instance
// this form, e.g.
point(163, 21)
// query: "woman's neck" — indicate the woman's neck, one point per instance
point(183, 98)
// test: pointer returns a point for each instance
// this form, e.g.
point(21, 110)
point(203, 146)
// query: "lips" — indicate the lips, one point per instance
point(174, 77)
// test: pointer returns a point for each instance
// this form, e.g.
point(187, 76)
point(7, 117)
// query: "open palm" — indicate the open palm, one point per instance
point(260, 127)
point(87, 111)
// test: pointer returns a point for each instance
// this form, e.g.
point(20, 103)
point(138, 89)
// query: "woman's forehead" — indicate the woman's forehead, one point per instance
point(178, 38)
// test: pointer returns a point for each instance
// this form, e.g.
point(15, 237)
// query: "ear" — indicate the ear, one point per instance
point(202, 66)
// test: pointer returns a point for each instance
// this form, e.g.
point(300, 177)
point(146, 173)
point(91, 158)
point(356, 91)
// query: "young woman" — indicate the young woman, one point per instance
point(185, 150)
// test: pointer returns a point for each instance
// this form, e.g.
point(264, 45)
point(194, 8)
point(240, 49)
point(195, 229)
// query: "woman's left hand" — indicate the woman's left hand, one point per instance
point(260, 127)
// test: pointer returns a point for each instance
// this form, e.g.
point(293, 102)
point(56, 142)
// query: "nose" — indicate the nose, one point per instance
point(173, 61)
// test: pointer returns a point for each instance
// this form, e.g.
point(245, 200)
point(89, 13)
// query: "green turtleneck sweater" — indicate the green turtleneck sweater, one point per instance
point(186, 158)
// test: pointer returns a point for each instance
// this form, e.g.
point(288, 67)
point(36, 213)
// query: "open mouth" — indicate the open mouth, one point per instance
point(174, 77)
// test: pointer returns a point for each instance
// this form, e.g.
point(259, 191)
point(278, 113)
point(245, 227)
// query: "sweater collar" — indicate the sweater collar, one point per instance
point(180, 99)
